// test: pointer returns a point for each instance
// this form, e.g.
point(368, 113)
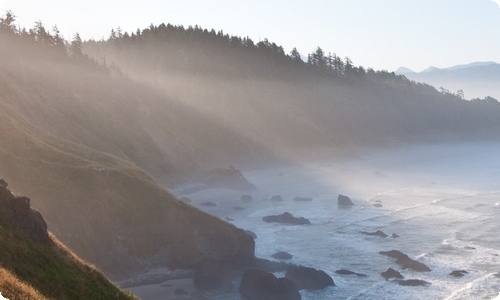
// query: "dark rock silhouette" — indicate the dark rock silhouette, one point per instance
point(286, 218)
point(282, 255)
point(251, 233)
point(228, 178)
point(246, 198)
point(277, 198)
point(344, 201)
point(302, 199)
point(391, 273)
point(17, 213)
point(395, 236)
point(377, 205)
point(209, 204)
point(458, 273)
point(348, 272)
point(379, 233)
point(260, 285)
point(179, 292)
point(306, 278)
point(412, 282)
point(405, 261)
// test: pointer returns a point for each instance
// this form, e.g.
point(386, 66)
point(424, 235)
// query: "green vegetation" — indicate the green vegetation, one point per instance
point(31, 270)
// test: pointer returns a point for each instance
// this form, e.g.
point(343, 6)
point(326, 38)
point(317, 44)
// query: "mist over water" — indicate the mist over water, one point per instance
point(442, 200)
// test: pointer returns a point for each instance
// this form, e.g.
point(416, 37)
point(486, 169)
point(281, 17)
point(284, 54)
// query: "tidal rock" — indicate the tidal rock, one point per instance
point(277, 198)
point(379, 233)
point(344, 201)
point(377, 205)
point(391, 273)
point(458, 273)
point(395, 236)
point(228, 178)
point(209, 204)
point(405, 261)
point(412, 282)
point(348, 272)
point(302, 199)
point(251, 233)
point(306, 278)
point(286, 218)
point(282, 255)
point(246, 198)
point(260, 285)
point(179, 292)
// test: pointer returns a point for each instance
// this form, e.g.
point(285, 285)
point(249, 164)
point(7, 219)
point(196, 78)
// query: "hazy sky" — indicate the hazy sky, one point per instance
point(383, 34)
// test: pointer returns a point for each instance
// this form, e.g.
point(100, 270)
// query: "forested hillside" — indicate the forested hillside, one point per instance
point(290, 105)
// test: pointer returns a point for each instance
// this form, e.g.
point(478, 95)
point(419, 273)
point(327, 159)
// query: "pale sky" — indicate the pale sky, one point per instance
point(382, 34)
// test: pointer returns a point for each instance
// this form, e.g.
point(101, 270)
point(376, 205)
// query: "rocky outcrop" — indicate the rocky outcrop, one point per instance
point(302, 199)
point(344, 201)
point(458, 273)
point(246, 198)
point(228, 178)
point(391, 273)
point(412, 282)
point(251, 233)
point(405, 261)
point(260, 285)
point(286, 218)
point(277, 198)
point(306, 278)
point(379, 233)
point(209, 204)
point(348, 272)
point(17, 213)
point(282, 255)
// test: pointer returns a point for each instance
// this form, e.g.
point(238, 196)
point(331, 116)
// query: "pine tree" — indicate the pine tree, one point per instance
point(76, 46)
point(7, 22)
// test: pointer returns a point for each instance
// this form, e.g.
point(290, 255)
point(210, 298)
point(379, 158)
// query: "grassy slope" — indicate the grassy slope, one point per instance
point(30, 270)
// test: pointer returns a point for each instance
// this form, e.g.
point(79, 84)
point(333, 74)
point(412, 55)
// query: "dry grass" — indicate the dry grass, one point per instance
point(13, 288)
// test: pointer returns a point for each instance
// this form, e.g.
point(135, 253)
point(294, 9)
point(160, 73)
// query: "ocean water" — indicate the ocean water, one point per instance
point(443, 202)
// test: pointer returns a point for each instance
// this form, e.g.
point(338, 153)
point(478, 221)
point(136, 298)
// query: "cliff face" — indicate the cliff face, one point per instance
point(35, 265)
point(16, 213)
